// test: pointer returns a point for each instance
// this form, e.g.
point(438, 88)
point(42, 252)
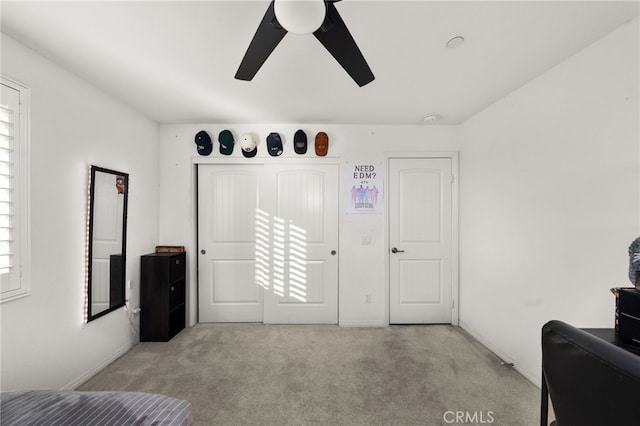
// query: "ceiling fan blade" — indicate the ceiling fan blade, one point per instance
point(265, 40)
point(336, 38)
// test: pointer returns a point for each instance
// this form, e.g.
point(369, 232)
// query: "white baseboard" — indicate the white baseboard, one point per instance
point(499, 353)
point(363, 324)
point(98, 368)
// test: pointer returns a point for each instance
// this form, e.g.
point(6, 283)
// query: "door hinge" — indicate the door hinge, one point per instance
point(453, 304)
point(453, 178)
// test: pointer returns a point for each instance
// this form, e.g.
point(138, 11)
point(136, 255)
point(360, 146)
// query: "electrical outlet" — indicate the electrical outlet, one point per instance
point(366, 239)
point(367, 298)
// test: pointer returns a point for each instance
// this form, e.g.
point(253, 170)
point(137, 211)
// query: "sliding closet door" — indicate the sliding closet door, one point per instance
point(228, 289)
point(268, 241)
point(300, 216)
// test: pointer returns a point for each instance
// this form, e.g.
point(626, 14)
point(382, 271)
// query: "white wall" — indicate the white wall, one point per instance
point(550, 190)
point(362, 268)
point(73, 125)
point(549, 202)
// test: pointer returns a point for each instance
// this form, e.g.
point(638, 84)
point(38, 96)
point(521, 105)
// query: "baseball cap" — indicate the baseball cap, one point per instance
point(300, 142)
point(322, 144)
point(274, 144)
point(226, 142)
point(205, 146)
point(248, 145)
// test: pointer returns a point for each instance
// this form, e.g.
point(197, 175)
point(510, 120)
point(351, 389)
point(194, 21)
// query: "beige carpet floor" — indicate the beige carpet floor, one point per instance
point(254, 374)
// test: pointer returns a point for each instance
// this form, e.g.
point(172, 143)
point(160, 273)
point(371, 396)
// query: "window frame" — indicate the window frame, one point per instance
point(21, 176)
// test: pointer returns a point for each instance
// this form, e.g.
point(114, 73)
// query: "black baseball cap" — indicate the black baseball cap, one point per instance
point(205, 146)
point(300, 142)
point(274, 144)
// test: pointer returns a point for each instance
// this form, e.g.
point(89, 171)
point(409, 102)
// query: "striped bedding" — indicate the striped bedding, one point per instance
point(69, 408)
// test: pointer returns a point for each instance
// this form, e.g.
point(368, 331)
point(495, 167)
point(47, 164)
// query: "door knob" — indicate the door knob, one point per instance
point(203, 251)
point(333, 252)
point(395, 250)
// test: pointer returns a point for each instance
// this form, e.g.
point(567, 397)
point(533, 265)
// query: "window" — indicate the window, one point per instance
point(14, 187)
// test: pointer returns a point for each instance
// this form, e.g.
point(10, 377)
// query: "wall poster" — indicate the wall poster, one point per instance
point(364, 185)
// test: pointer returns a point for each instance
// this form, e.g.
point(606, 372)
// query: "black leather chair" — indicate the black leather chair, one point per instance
point(590, 381)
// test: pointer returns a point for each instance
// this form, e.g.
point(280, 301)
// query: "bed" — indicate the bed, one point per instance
point(57, 408)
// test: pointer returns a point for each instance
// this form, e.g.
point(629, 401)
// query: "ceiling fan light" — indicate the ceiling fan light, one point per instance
point(300, 16)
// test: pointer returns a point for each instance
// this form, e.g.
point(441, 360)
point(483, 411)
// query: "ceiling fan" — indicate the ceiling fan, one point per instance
point(319, 17)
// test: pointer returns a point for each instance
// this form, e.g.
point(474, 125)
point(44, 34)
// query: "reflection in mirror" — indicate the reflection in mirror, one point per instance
point(107, 234)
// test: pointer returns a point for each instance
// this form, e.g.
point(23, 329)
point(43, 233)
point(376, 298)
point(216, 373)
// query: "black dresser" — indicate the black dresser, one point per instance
point(162, 296)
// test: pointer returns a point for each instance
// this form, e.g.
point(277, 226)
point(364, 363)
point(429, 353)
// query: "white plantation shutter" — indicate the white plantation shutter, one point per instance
point(7, 122)
point(14, 281)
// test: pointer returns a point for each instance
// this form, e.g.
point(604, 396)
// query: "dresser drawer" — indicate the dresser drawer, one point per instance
point(176, 294)
point(177, 267)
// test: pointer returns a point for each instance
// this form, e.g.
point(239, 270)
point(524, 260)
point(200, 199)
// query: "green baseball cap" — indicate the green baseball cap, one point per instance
point(226, 142)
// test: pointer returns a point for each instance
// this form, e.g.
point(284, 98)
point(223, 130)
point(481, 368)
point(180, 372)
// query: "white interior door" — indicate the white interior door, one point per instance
point(268, 238)
point(301, 241)
point(228, 288)
point(420, 237)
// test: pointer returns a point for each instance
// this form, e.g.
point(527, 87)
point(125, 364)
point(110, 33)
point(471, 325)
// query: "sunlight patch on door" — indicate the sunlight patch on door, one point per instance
point(278, 258)
point(297, 263)
point(281, 257)
point(263, 250)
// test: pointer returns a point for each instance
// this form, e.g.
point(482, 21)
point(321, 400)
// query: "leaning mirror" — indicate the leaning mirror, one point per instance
point(106, 243)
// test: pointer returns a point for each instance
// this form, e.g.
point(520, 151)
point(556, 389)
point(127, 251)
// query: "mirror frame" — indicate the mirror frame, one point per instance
point(89, 316)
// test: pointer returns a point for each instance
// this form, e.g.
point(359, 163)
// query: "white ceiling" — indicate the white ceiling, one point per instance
point(175, 61)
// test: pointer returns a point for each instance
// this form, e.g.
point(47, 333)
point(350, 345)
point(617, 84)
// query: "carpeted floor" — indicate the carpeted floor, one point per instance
point(254, 374)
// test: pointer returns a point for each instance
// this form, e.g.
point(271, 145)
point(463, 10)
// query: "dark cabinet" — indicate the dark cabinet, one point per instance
point(162, 296)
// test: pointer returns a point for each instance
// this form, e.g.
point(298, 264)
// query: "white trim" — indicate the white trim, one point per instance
point(363, 324)
point(537, 380)
point(72, 385)
point(455, 240)
point(23, 190)
point(455, 224)
point(226, 160)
